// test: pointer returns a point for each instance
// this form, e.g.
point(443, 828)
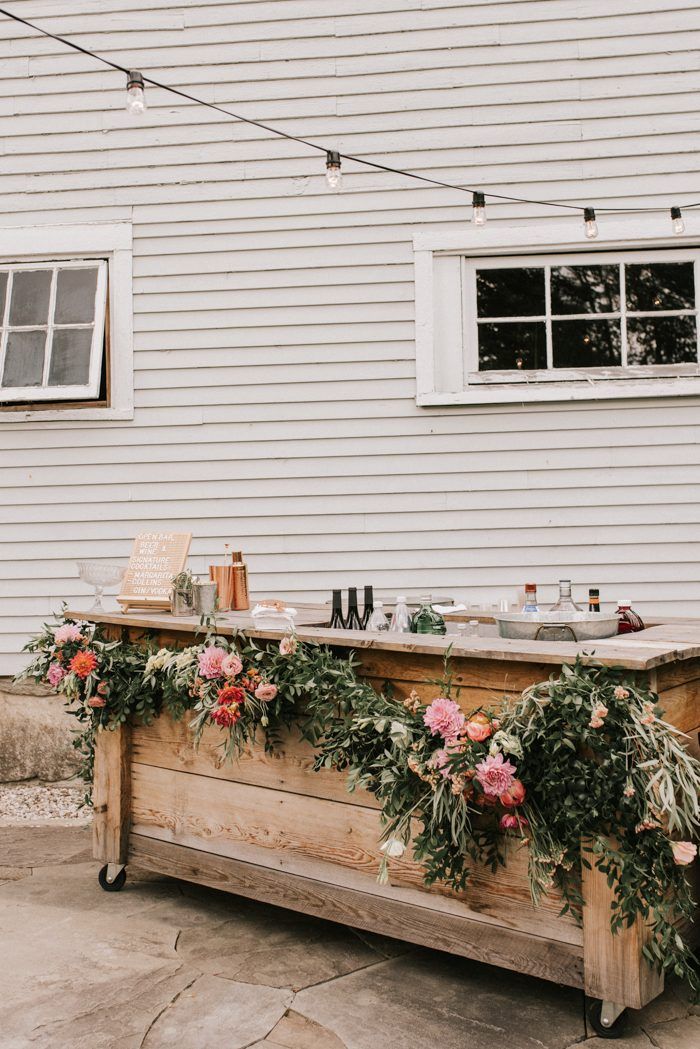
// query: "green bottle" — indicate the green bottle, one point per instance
point(427, 620)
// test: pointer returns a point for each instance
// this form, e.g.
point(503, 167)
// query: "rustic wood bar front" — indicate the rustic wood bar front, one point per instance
point(270, 828)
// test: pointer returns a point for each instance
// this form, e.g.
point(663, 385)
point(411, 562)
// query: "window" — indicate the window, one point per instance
point(507, 325)
point(66, 323)
point(53, 330)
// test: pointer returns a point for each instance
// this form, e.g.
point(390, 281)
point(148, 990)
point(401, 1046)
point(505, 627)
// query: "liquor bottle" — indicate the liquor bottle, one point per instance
point(377, 619)
point(565, 603)
point(352, 619)
point(368, 606)
point(530, 598)
point(337, 622)
point(401, 619)
point(630, 621)
point(594, 600)
point(427, 620)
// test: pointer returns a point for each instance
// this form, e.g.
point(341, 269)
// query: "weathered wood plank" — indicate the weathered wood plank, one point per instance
point(468, 937)
point(305, 833)
point(111, 793)
point(614, 967)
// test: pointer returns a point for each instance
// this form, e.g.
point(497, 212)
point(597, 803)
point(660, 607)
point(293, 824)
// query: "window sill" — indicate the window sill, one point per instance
point(102, 414)
point(534, 393)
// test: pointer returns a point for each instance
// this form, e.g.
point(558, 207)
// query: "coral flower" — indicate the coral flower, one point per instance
point(225, 716)
point(444, 718)
point(509, 821)
point(478, 731)
point(621, 693)
point(210, 661)
point(684, 852)
point(230, 694)
point(495, 775)
point(265, 692)
point(83, 663)
point(55, 675)
point(231, 665)
point(97, 701)
point(67, 632)
point(515, 795)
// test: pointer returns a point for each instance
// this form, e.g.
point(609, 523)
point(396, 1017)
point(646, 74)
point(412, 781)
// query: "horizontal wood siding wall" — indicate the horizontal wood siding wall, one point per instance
point(275, 362)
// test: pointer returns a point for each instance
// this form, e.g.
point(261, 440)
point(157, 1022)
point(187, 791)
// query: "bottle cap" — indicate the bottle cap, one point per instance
point(531, 586)
point(624, 602)
point(594, 592)
point(378, 604)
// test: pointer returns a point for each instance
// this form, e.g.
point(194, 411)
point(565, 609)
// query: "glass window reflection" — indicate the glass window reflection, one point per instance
point(660, 286)
point(512, 346)
point(510, 292)
point(586, 344)
point(585, 289)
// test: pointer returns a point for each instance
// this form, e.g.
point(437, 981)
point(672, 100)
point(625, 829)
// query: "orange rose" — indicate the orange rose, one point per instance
point(83, 663)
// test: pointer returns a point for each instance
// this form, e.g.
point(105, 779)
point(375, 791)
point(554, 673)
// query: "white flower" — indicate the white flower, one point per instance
point(398, 732)
point(157, 661)
point(186, 657)
point(393, 847)
point(507, 743)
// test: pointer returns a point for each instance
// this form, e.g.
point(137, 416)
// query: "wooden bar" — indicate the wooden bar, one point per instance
point(269, 827)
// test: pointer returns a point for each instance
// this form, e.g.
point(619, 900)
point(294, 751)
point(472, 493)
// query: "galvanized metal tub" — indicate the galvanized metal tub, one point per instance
point(557, 626)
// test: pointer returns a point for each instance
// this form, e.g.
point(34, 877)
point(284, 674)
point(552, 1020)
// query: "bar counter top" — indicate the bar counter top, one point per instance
point(670, 641)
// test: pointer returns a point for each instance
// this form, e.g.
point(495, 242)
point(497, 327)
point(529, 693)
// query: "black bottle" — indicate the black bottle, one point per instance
point(593, 600)
point(352, 619)
point(368, 606)
point(337, 622)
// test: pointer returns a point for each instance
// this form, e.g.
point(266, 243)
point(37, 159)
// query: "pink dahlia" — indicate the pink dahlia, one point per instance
point(444, 718)
point(55, 675)
point(495, 775)
point(67, 632)
point(210, 662)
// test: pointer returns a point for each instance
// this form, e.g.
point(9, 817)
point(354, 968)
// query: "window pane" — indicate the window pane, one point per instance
point(70, 357)
point(30, 297)
point(661, 340)
point(3, 290)
point(508, 346)
point(586, 344)
point(660, 286)
point(586, 289)
point(510, 293)
point(75, 296)
point(24, 358)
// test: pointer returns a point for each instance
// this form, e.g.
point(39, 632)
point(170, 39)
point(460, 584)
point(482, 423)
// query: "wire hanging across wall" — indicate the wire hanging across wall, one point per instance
point(136, 103)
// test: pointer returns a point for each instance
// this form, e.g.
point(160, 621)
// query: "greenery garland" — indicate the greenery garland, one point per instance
point(595, 760)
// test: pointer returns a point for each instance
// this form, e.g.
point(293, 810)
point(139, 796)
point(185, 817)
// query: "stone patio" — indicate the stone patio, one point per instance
point(164, 963)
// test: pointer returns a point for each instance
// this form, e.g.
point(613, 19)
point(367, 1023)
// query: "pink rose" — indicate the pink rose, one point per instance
point(97, 701)
point(55, 675)
point(684, 852)
point(495, 775)
point(67, 632)
point(477, 731)
point(210, 661)
point(444, 718)
point(231, 665)
point(288, 646)
point(265, 692)
point(515, 795)
point(509, 821)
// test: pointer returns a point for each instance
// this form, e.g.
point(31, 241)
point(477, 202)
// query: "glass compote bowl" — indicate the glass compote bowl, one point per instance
point(98, 574)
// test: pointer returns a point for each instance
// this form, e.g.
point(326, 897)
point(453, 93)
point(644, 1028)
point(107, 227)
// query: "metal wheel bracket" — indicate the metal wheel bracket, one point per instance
point(609, 1012)
point(114, 870)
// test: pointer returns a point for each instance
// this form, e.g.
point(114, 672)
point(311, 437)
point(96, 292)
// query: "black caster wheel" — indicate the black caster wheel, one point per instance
point(612, 1030)
point(112, 886)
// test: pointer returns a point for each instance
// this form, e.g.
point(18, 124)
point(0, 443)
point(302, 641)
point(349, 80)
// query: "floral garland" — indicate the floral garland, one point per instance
point(583, 756)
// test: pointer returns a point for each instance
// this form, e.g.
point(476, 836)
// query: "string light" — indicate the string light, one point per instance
point(334, 176)
point(135, 93)
point(479, 208)
point(677, 220)
point(589, 223)
point(136, 103)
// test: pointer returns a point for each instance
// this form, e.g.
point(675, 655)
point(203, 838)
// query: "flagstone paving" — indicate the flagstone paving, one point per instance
point(163, 963)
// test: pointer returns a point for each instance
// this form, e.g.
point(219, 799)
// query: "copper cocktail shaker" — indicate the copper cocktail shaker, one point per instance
point(232, 583)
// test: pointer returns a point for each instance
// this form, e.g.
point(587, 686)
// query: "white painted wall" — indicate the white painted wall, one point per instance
point(273, 321)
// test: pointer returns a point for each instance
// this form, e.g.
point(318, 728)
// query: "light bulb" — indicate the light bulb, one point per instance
point(590, 224)
point(135, 94)
point(334, 176)
point(677, 221)
point(478, 209)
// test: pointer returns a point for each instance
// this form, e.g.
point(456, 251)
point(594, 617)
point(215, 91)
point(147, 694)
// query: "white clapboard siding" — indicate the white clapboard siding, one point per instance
point(274, 371)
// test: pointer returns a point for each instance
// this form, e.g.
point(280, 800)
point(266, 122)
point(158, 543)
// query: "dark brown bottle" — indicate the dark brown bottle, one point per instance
point(594, 600)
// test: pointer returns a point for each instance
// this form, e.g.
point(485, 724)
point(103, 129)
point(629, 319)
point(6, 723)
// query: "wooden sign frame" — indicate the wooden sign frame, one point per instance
point(155, 559)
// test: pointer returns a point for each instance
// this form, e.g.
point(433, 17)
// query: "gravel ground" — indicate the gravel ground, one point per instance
point(40, 804)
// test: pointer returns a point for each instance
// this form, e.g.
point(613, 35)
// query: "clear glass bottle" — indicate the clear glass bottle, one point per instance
point(401, 619)
point(427, 620)
point(377, 620)
point(565, 603)
point(531, 598)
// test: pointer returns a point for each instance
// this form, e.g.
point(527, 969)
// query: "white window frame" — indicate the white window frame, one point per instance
point(446, 362)
point(75, 392)
point(26, 245)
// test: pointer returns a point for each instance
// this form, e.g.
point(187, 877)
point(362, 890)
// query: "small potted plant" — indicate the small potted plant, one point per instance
point(181, 596)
